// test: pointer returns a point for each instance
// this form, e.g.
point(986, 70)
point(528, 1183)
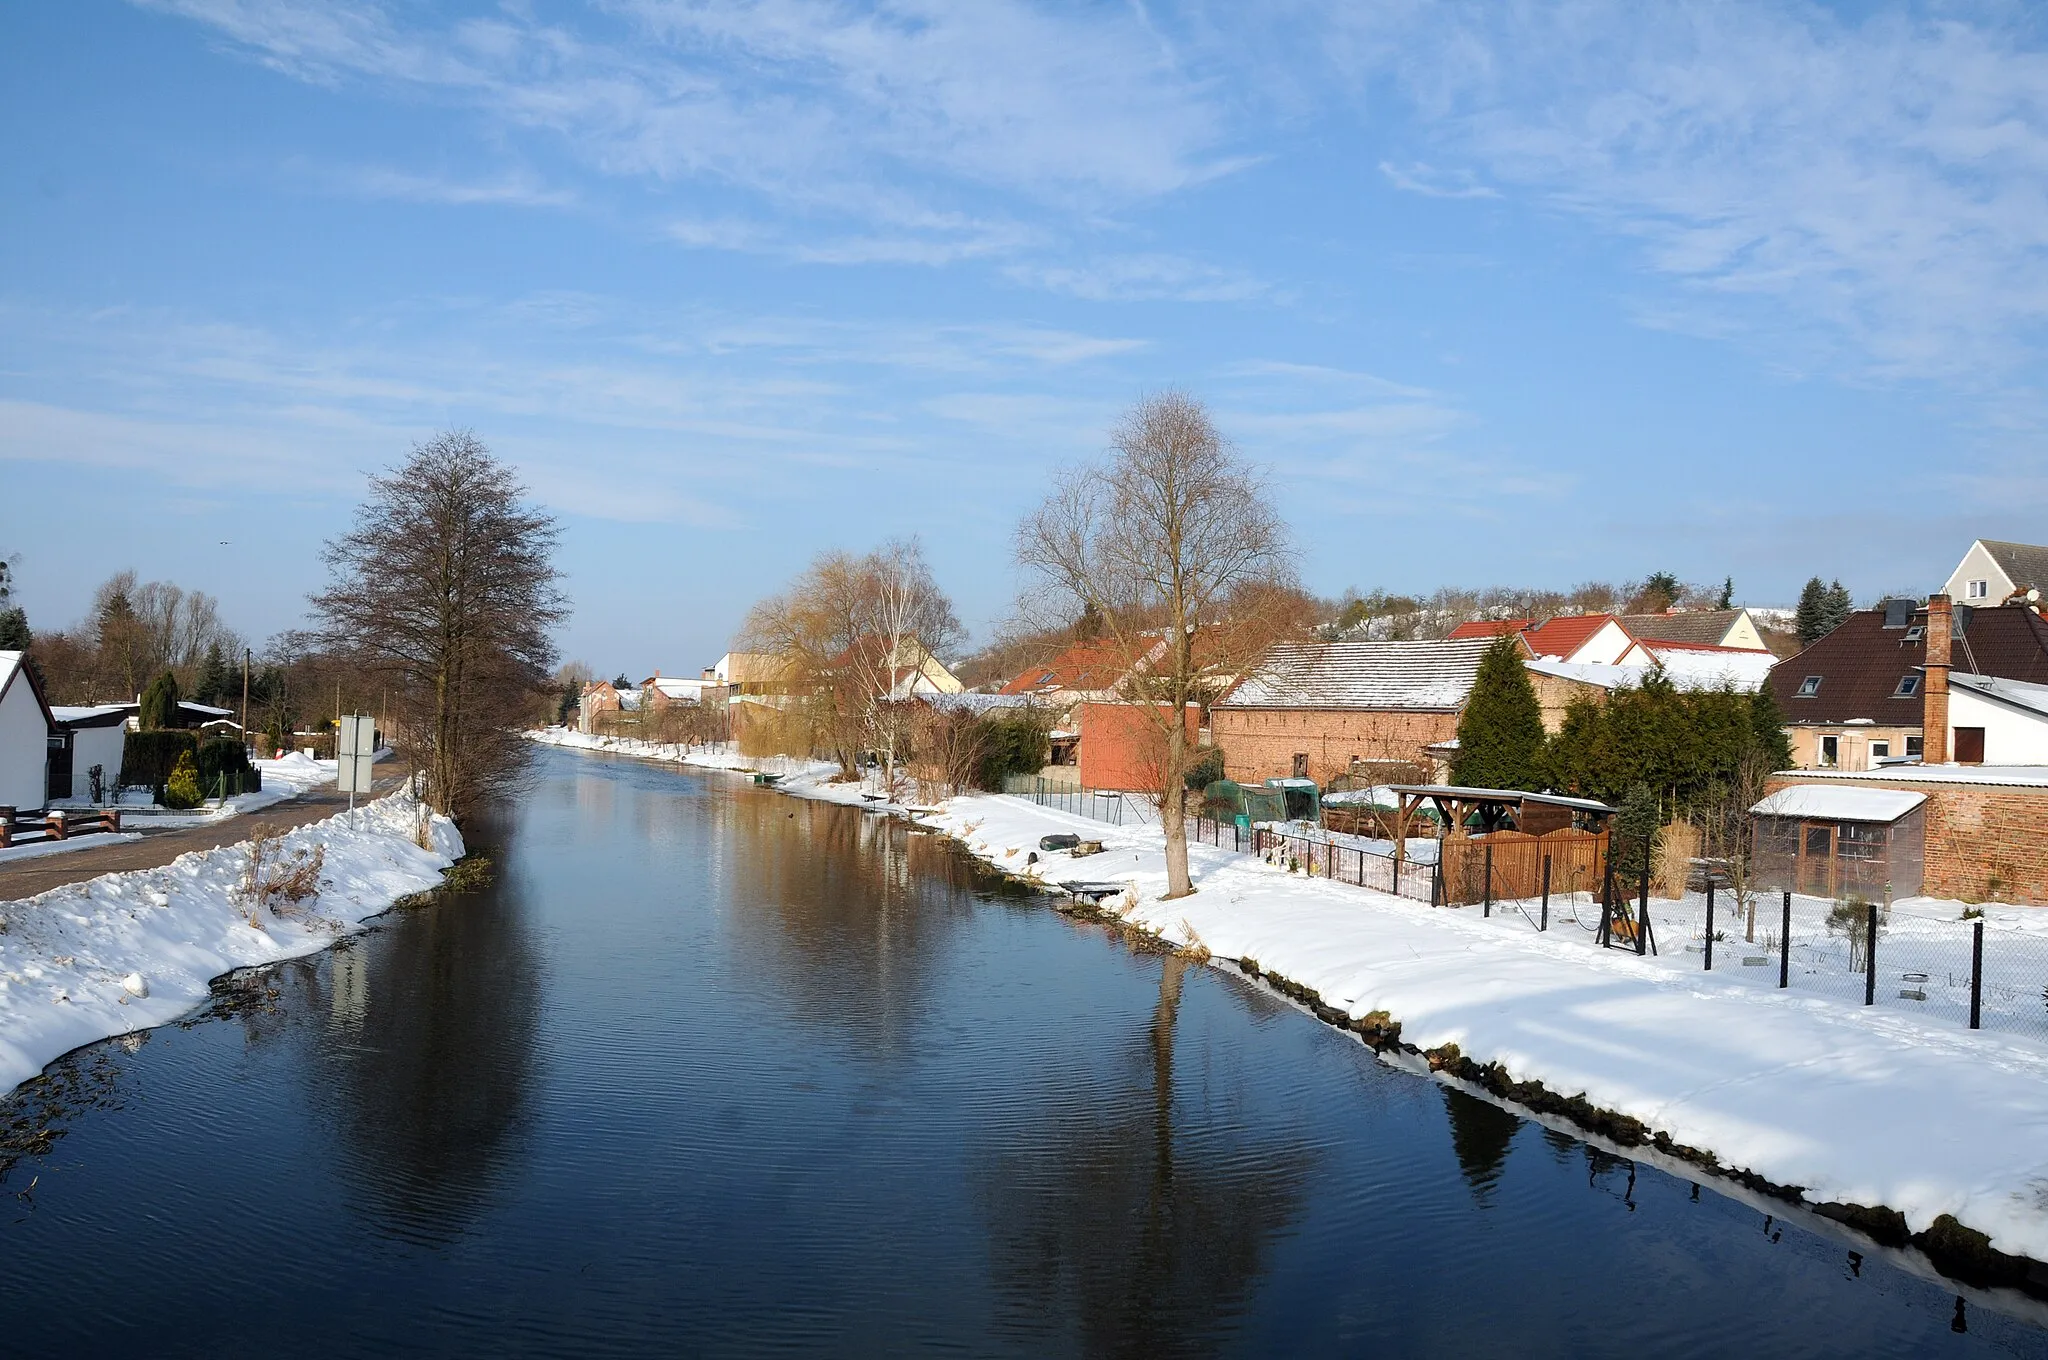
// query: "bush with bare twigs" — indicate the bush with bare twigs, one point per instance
point(276, 878)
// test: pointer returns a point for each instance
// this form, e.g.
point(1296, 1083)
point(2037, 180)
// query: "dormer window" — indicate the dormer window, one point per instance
point(1909, 685)
point(1916, 632)
point(1809, 687)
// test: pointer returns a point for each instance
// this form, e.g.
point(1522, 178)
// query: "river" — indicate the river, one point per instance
point(714, 1071)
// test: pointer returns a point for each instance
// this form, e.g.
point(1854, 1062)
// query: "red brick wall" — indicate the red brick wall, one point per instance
point(1122, 746)
point(1261, 743)
point(1984, 842)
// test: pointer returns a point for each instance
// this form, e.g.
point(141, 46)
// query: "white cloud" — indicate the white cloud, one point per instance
point(1140, 277)
point(1430, 182)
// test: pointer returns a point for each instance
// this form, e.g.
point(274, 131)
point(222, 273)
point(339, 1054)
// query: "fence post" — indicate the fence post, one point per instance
point(1710, 925)
point(1977, 975)
point(1785, 944)
point(1870, 960)
point(1397, 871)
point(1487, 909)
point(1436, 882)
point(1643, 913)
point(1546, 894)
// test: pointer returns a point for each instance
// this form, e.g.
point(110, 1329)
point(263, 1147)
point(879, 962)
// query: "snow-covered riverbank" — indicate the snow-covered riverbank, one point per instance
point(126, 951)
point(1870, 1107)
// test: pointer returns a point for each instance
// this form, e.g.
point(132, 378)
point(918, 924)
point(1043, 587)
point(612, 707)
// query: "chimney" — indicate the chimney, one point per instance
point(1934, 692)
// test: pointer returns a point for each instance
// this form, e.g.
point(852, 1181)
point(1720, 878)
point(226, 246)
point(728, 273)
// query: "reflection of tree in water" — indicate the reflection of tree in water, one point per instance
point(1148, 1243)
point(1481, 1133)
point(848, 911)
point(431, 1053)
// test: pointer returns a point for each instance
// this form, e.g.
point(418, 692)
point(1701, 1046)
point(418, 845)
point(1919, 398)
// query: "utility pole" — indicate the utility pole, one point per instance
point(245, 696)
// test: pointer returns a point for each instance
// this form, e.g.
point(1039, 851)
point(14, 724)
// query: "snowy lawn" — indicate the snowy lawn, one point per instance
point(126, 951)
point(38, 849)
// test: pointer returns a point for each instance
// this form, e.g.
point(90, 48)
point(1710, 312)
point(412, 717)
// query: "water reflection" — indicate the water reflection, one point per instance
point(430, 1061)
point(1147, 1241)
point(1481, 1134)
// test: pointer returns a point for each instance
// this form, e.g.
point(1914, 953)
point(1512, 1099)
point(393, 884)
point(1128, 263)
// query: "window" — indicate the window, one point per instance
point(1880, 750)
point(1978, 590)
point(1830, 752)
point(1913, 746)
point(1809, 687)
point(1909, 685)
point(1301, 764)
point(1916, 632)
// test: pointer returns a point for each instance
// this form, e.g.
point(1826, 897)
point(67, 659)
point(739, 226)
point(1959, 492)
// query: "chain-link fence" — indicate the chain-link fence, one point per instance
point(1102, 805)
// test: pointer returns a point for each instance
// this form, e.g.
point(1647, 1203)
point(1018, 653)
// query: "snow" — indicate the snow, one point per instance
point(1862, 1106)
point(37, 849)
point(1840, 804)
point(2022, 776)
point(1687, 670)
point(69, 957)
point(1803, 1087)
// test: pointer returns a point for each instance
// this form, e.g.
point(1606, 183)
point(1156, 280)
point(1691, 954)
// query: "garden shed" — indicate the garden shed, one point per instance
point(1830, 840)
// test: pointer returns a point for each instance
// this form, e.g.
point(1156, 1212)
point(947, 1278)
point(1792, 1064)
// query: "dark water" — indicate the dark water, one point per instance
point(712, 1071)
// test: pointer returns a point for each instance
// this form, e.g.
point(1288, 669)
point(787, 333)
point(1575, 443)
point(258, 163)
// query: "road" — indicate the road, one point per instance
point(26, 878)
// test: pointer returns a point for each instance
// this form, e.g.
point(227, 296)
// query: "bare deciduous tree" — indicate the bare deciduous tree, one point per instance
point(447, 588)
point(1173, 545)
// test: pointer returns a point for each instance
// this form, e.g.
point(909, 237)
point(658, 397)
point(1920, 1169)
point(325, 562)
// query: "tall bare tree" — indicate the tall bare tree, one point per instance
point(446, 588)
point(851, 633)
point(1173, 545)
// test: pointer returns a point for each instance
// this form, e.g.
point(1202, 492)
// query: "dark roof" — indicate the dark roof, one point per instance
point(2025, 563)
point(1692, 625)
point(1861, 662)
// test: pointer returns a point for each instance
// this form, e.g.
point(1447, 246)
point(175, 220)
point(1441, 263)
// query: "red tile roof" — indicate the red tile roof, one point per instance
point(1473, 628)
point(1566, 633)
point(1084, 667)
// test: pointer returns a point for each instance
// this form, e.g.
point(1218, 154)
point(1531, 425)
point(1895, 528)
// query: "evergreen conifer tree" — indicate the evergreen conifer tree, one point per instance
point(1500, 733)
point(160, 704)
point(1637, 829)
point(1839, 606)
point(1569, 760)
point(14, 633)
point(1727, 600)
point(216, 682)
point(1811, 617)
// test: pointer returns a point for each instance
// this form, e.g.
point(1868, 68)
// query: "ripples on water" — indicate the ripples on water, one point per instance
point(712, 1071)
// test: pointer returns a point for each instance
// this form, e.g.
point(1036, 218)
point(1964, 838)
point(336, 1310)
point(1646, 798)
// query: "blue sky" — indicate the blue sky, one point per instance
point(1502, 293)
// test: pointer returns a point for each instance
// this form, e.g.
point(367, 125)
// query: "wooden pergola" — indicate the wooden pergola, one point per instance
point(1456, 805)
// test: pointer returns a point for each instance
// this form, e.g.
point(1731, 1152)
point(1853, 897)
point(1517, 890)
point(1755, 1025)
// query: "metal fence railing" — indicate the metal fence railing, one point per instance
point(1971, 973)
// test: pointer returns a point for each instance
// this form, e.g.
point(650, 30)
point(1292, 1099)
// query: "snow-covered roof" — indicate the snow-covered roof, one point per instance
point(1366, 675)
point(677, 687)
point(2017, 776)
point(965, 702)
point(2018, 693)
point(9, 663)
point(1833, 802)
point(1686, 668)
point(80, 712)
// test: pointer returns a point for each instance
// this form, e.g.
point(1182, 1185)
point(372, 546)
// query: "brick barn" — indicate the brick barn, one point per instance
point(1315, 709)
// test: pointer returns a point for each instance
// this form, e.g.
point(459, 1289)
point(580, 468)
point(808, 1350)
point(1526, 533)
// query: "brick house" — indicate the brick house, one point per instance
point(1314, 709)
point(1122, 748)
point(594, 706)
point(1859, 696)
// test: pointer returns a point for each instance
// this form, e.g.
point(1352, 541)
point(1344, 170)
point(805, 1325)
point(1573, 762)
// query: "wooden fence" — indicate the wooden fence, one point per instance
point(1577, 860)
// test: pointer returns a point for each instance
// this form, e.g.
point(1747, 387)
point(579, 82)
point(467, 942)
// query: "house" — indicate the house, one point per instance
point(1559, 683)
point(1993, 571)
point(1859, 696)
point(1596, 638)
point(1090, 669)
point(658, 691)
point(752, 673)
point(94, 735)
point(1733, 628)
point(1124, 748)
point(26, 733)
point(598, 700)
point(1315, 709)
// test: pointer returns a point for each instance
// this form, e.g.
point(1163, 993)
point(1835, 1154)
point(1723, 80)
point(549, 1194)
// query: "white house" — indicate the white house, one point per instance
point(1997, 722)
point(1992, 570)
point(95, 735)
point(25, 732)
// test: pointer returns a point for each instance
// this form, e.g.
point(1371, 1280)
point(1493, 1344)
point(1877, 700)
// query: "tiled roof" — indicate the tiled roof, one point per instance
point(2025, 563)
point(1486, 628)
point(1566, 633)
point(1083, 668)
point(1860, 664)
point(1693, 625)
point(1364, 675)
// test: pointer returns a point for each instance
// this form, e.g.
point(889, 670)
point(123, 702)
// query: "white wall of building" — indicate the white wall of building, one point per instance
point(92, 746)
point(1606, 647)
point(24, 747)
point(2012, 736)
point(1977, 565)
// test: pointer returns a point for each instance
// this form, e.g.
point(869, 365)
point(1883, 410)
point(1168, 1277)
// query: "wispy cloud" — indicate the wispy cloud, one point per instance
point(519, 189)
point(1140, 277)
point(1417, 178)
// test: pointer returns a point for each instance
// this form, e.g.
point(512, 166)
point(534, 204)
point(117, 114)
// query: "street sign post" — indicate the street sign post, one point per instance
point(355, 752)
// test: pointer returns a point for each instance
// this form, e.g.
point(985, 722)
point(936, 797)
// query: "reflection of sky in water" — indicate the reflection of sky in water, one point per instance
point(713, 1070)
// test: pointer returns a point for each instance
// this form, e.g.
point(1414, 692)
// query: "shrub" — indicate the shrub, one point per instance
point(1205, 769)
point(1013, 742)
point(181, 790)
point(275, 879)
point(147, 758)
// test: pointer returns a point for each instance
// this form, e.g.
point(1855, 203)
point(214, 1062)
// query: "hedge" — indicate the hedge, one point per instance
point(220, 756)
point(147, 758)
